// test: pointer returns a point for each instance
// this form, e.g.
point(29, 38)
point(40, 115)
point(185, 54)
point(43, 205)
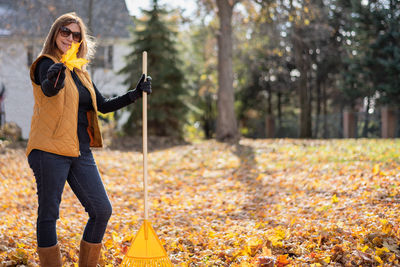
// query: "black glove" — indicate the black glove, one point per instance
point(53, 72)
point(142, 86)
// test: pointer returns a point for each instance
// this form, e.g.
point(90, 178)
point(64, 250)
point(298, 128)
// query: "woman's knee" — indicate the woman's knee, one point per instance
point(107, 211)
point(103, 212)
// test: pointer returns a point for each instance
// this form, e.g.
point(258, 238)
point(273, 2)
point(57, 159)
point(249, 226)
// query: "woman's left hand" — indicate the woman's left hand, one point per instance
point(143, 85)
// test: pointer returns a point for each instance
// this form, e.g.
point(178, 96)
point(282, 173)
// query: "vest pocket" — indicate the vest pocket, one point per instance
point(58, 130)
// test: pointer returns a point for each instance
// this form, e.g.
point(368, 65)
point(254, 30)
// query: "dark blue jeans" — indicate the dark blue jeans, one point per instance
point(51, 171)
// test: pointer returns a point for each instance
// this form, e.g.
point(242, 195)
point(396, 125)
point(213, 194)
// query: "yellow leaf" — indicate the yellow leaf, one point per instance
point(276, 239)
point(212, 234)
point(109, 244)
point(381, 251)
point(266, 252)
point(376, 169)
point(386, 227)
point(70, 59)
point(128, 237)
point(378, 259)
point(115, 237)
point(252, 246)
point(335, 199)
point(364, 248)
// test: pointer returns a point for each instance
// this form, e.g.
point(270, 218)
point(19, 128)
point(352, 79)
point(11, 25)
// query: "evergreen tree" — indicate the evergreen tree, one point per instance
point(385, 53)
point(201, 72)
point(167, 111)
point(358, 71)
point(373, 64)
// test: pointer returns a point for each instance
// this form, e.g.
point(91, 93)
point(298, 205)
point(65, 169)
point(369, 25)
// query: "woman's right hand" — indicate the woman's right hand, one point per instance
point(55, 71)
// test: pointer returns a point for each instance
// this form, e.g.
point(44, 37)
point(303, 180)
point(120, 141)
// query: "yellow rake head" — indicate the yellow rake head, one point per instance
point(146, 249)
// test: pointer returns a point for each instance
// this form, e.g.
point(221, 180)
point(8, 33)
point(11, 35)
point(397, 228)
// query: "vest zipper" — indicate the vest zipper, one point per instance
point(77, 114)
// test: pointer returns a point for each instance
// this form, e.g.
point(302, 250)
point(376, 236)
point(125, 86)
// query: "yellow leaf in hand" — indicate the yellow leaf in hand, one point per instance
point(71, 60)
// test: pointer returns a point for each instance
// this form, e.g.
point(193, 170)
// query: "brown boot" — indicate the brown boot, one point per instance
point(50, 256)
point(89, 254)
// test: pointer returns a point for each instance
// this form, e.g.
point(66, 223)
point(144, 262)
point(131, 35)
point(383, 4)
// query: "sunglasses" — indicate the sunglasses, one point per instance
point(65, 32)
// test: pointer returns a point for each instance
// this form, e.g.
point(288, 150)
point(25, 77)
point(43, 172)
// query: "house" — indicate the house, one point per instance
point(24, 25)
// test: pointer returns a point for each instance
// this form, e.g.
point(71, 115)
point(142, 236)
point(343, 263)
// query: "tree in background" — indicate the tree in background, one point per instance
point(260, 68)
point(226, 119)
point(371, 70)
point(167, 110)
point(386, 51)
point(304, 61)
point(293, 53)
point(200, 64)
point(226, 123)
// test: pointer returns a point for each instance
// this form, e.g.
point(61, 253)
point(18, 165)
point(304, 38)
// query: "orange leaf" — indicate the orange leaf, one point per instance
point(282, 260)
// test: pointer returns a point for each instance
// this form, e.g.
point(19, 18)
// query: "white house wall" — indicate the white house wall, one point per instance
point(14, 74)
point(106, 80)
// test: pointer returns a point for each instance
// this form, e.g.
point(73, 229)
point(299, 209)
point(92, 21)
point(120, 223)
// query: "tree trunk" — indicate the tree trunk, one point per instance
point(324, 111)
point(226, 119)
point(304, 92)
point(279, 107)
point(208, 117)
point(318, 107)
point(366, 119)
point(300, 54)
point(305, 107)
point(269, 121)
point(269, 98)
point(389, 121)
point(349, 124)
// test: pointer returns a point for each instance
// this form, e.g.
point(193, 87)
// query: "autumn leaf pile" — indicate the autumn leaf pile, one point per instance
point(259, 203)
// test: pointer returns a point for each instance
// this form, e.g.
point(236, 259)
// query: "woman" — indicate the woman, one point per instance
point(64, 127)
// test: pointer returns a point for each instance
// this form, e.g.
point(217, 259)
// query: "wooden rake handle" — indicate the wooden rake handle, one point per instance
point(144, 125)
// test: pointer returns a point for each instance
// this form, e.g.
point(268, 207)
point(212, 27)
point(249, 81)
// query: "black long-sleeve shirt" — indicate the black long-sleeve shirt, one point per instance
point(104, 105)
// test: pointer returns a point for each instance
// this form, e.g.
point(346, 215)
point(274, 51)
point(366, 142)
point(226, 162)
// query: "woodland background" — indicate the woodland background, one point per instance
point(221, 193)
point(264, 68)
point(281, 68)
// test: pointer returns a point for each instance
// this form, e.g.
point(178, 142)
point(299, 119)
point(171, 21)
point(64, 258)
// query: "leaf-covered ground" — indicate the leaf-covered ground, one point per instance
point(259, 203)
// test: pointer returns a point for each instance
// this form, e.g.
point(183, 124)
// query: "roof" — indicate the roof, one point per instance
point(33, 18)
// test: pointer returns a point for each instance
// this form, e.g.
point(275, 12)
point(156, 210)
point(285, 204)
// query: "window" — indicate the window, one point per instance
point(104, 57)
point(29, 54)
point(98, 61)
point(110, 57)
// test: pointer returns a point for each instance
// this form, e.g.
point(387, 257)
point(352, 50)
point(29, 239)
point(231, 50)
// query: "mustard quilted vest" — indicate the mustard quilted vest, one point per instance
point(55, 119)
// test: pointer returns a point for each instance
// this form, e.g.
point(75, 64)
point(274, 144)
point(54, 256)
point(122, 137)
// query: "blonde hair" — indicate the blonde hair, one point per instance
point(87, 47)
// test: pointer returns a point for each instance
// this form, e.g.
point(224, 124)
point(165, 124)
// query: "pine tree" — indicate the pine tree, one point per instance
point(375, 55)
point(167, 111)
point(386, 52)
point(357, 73)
